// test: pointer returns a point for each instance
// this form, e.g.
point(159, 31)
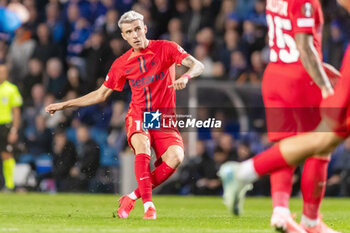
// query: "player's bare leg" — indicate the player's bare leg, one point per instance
point(322, 141)
point(290, 151)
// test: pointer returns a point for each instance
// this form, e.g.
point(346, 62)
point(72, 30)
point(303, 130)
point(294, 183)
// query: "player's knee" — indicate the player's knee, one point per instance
point(141, 144)
point(326, 144)
point(174, 156)
point(178, 158)
point(142, 147)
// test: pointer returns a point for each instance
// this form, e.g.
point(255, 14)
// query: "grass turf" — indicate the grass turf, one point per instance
point(48, 213)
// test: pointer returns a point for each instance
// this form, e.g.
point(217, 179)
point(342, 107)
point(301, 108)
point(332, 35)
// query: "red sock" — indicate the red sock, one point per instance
point(281, 186)
point(143, 176)
point(269, 161)
point(158, 176)
point(313, 185)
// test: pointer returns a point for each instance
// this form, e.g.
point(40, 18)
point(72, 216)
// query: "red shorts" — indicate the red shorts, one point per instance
point(291, 100)
point(159, 140)
point(336, 108)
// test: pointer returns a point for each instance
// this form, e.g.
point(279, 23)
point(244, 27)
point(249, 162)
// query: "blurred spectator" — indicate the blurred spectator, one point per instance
point(201, 53)
point(75, 82)
point(227, 7)
point(232, 22)
point(256, 72)
point(227, 145)
point(174, 29)
point(64, 157)
point(77, 38)
point(339, 181)
point(195, 19)
point(19, 54)
point(206, 38)
point(232, 43)
point(244, 151)
point(244, 7)
point(198, 175)
point(110, 27)
point(54, 22)
point(34, 105)
point(208, 182)
point(252, 37)
point(335, 46)
point(38, 137)
point(3, 51)
point(44, 48)
point(88, 157)
point(92, 10)
point(258, 15)
point(161, 14)
point(33, 15)
point(238, 65)
point(34, 76)
point(56, 81)
point(117, 133)
point(95, 54)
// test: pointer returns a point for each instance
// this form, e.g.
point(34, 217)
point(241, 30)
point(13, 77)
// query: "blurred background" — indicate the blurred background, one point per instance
point(65, 50)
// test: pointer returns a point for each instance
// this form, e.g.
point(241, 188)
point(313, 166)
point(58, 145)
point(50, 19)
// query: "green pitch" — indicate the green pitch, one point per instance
point(93, 213)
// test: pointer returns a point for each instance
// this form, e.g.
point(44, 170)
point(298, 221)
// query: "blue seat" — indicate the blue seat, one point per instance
point(108, 156)
point(99, 135)
point(26, 158)
point(71, 135)
point(43, 163)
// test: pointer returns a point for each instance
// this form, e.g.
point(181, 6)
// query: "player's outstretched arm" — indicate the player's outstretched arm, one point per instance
point(312, 62)
point(195, 69)
point(92, 98)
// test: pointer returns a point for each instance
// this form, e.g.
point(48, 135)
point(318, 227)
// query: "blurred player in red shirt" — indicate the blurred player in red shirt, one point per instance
point(330, 132)
point(293, 85)
point(149, 67)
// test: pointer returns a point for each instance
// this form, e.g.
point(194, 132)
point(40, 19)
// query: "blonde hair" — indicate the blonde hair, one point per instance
point(129, 17)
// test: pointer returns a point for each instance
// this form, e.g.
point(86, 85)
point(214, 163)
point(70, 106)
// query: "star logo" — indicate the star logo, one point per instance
point(155, 115)
point(151, 120)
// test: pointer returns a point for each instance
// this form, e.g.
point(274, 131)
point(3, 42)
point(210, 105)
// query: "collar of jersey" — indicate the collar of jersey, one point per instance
point(142, 52)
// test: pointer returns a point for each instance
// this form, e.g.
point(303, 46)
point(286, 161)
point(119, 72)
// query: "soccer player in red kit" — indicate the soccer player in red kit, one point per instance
point(149, 67)
point(292, 151)
point(332, 130)
point(292, 89)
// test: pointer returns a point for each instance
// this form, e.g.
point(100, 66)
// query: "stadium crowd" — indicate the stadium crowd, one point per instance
point(66, 49)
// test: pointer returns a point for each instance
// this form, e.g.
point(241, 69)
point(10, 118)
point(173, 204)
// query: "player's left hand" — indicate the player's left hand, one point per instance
point(180, 83)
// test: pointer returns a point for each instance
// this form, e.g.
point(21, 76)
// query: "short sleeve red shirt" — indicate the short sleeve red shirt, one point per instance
point(149, 73)
point(286, 18)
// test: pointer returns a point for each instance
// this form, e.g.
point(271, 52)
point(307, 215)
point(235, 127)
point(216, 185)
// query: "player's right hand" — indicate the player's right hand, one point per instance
point(52, 108)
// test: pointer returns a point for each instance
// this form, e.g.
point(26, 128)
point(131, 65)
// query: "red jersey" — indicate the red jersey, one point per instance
point(336, 108)
point(285, 18)
point(149, 72)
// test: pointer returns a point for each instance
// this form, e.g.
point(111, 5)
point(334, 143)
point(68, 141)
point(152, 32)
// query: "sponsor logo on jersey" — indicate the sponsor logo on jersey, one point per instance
point(147, 79)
